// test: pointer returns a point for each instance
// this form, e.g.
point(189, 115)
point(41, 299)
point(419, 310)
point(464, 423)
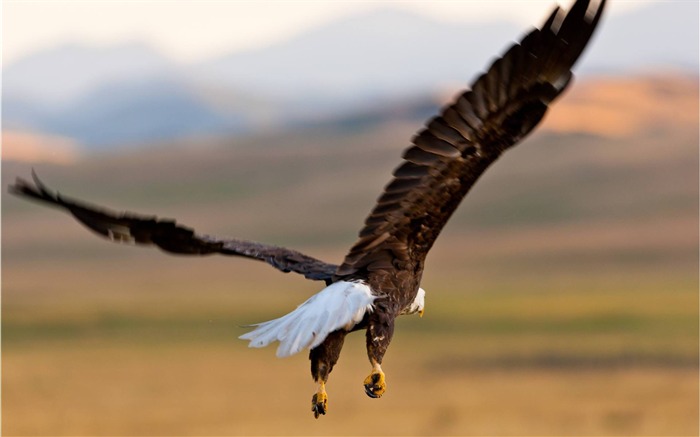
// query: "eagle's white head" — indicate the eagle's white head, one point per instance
point(418, 304)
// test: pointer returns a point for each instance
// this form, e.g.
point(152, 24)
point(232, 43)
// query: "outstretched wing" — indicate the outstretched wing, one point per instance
point(170, 236)
point(455, 148)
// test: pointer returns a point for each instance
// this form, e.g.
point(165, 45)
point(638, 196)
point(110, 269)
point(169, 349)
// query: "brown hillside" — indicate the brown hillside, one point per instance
point(623, 106)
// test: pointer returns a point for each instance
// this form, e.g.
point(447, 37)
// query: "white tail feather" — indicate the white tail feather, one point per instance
point(340, 305)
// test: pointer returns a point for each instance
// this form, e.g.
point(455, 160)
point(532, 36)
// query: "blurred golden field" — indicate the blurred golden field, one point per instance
point(494, 362)
point(562, 299)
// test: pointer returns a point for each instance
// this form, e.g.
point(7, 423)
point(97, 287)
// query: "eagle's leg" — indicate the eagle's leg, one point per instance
point(379, 333)
point(323, 357)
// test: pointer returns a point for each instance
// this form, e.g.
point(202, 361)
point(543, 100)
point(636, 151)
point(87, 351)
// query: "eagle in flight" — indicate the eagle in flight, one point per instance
point(380, 277)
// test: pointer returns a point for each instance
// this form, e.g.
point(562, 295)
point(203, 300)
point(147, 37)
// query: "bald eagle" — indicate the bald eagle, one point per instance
point(380, 277)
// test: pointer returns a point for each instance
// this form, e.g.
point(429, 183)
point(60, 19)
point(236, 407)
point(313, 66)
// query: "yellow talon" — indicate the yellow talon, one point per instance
point(319, 402)
point(375, 383)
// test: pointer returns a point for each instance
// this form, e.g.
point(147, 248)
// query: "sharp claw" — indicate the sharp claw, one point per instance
point(370, 393)
point(317, 411)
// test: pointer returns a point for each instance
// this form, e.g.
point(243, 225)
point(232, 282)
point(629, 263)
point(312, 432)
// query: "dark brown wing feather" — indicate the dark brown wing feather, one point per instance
point(449, 155)
point(170, 236)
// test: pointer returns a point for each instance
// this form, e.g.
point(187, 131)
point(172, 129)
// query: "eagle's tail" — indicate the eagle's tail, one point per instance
point(341, 305)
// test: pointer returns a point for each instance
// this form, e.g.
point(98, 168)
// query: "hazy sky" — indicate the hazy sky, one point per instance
point(194, 30)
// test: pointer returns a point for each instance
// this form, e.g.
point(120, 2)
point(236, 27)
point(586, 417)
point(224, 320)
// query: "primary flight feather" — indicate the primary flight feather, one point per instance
point(379, 279)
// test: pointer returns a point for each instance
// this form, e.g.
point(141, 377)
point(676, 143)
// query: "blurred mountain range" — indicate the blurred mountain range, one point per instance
point(130, 94)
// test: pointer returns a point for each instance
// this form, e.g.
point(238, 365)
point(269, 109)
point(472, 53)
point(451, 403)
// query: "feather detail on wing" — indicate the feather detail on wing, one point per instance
point(170, 236)
point(341, 305)
point(448, 156)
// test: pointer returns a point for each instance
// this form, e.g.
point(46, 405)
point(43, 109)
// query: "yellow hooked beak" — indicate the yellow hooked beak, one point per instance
point(421, 312)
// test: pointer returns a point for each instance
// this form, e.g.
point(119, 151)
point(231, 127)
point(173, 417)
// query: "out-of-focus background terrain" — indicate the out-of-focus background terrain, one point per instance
point(562, 297)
